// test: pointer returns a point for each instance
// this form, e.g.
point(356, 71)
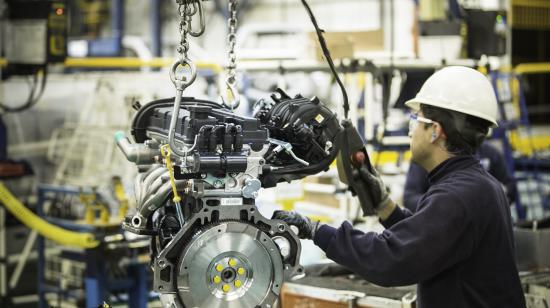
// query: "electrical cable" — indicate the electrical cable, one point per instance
point(31, 100)
point(32, 89)
point(326, 54)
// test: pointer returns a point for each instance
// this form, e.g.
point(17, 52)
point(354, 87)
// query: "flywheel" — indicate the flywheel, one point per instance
point(232, 264)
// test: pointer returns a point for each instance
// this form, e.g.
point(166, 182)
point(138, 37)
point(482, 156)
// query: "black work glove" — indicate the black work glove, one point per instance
point(306, 227)
point(374, 184)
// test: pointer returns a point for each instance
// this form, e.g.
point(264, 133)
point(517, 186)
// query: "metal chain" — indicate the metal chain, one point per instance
point(232, 40)
point(187, 9)
point(185, 19)
point(230, 80)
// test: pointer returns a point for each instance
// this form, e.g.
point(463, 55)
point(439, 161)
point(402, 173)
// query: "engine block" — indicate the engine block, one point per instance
point(213, 248)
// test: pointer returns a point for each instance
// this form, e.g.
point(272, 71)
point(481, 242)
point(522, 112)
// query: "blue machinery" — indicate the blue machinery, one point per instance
point(111, 46)
point(97, 285)
point(530, 166)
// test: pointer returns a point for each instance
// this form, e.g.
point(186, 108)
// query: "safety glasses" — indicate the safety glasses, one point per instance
point(414, 119)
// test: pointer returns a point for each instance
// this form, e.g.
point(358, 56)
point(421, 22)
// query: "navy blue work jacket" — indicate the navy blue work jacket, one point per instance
point(458, 247)
point(490, 158)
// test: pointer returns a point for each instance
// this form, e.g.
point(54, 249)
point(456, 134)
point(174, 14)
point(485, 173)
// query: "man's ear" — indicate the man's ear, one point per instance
point(437, 132)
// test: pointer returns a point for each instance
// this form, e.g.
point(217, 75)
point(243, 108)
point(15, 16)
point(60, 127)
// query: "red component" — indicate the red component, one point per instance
point(8, 170)
point(59, 11)
point(358, 158)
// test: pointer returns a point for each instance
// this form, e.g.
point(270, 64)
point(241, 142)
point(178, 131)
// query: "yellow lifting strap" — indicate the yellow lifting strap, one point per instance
point(43, 227)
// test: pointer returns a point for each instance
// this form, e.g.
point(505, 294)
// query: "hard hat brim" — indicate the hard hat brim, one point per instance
point(414, 104)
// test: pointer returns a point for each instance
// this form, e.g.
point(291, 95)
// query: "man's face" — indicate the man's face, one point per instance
point(420, 137)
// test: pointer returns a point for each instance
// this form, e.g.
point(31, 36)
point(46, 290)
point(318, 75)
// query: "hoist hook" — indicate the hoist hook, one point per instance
point(234, 93)
point(202, 23)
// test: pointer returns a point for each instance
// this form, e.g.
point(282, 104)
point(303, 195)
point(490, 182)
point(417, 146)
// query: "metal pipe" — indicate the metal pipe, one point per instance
point(156, 201)
point(23, 260)
point(156, 28)
point(173, 122)
point(117, 23)
point(179, 212)
point(362, 65)
point(181, 83)
point(141, 182)
point(136, 153)
point(3, 260)
point(152, 184)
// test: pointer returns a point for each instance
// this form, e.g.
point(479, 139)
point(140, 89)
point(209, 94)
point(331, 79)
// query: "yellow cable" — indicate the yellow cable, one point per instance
point(165, 151)
point(44, 228)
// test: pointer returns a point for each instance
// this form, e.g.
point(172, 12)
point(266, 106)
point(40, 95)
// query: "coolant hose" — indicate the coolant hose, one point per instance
point(44, 228)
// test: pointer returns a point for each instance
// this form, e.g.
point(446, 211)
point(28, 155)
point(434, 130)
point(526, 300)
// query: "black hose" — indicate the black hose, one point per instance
point(326, 53)
point(31, 100)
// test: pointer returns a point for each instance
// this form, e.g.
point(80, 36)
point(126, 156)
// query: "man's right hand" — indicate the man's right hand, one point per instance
point(355, 170)
point(306, 227)
point(372, 182)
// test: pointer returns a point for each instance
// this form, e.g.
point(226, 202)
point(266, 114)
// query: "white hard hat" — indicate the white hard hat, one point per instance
point(459, 89)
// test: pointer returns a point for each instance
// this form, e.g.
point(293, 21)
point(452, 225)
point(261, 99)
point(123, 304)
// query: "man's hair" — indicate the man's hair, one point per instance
point(465, 133)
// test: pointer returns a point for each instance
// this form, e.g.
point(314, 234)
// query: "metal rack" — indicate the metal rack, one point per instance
point(98, 283)
point(528, 168)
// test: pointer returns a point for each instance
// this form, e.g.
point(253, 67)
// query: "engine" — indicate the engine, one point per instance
point(211, 247)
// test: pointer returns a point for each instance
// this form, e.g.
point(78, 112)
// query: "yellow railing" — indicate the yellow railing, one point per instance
point(533, 68)
point(120, 62)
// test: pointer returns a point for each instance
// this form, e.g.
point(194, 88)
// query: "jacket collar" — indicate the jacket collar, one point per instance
point(451, 165)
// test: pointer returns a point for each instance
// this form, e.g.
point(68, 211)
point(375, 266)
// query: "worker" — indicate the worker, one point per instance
point(490, 158)
point(458, 247)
